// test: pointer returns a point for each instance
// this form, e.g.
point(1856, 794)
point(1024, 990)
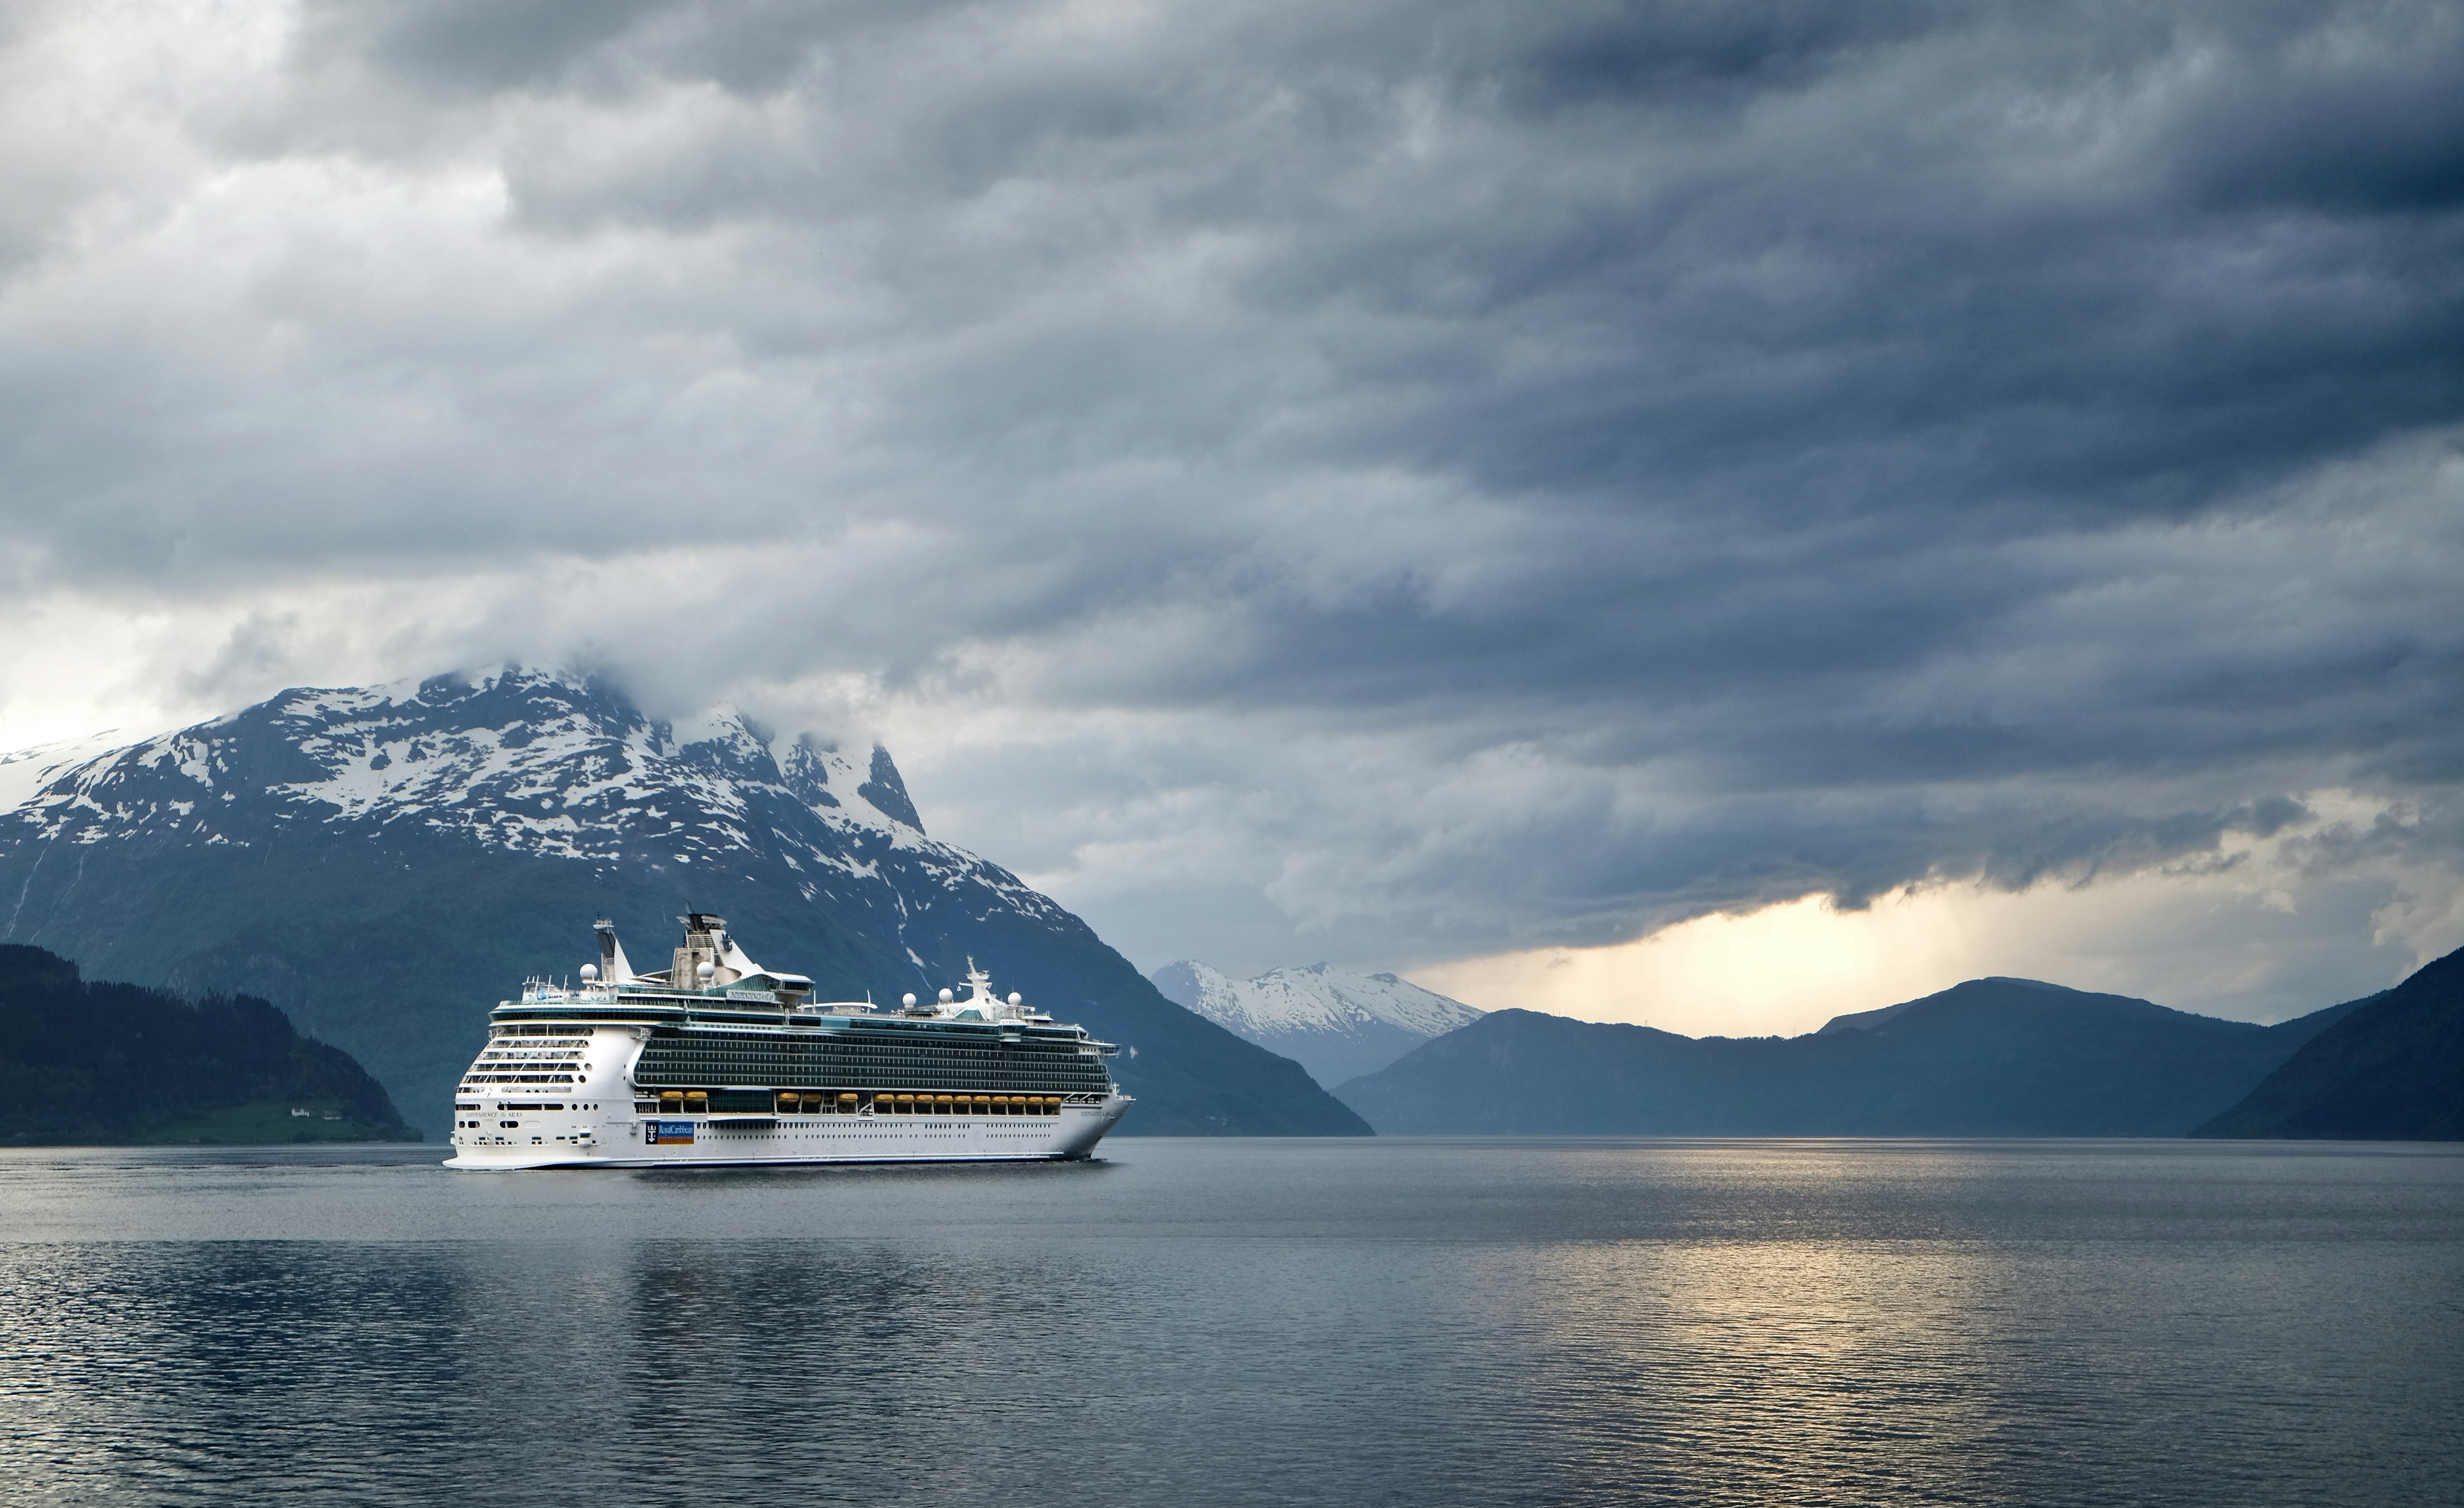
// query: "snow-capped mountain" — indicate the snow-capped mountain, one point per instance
point(1337, 1026)
point(523, 762)
point(387, 862)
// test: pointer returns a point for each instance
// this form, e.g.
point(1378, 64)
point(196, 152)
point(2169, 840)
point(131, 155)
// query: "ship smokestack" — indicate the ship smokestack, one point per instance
point(612, 966)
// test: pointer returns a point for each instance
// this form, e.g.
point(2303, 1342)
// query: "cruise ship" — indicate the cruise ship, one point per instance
point(716, 1060)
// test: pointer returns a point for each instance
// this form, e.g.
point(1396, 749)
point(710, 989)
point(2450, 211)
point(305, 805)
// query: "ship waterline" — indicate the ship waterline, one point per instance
point(715, 1060)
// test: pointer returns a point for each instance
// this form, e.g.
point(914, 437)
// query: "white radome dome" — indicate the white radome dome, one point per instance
point(947, 997)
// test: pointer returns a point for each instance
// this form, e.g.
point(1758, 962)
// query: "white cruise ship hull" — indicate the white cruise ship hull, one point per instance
point(740, 1068)
point(581, 1140)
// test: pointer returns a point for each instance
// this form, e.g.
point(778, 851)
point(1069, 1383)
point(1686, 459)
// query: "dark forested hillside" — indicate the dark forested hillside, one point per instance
point(2392, 1070)
point(101, 1063)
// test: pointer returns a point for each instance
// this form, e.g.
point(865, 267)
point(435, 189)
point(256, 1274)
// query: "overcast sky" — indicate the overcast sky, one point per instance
point(1426, 486)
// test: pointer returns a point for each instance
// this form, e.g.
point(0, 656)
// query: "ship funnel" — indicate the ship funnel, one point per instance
point(612, 966)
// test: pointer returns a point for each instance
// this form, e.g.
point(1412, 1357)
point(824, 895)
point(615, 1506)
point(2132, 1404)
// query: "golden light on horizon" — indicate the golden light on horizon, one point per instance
point(2182, 939)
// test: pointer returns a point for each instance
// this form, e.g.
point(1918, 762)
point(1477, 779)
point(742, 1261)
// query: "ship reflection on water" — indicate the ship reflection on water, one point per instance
point(1247, 1321)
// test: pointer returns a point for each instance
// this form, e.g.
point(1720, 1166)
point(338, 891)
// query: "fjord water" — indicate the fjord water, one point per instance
point(1246, 1322)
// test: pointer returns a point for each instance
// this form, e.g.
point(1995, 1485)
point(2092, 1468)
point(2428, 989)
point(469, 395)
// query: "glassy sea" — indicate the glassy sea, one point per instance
point(1246, 1322)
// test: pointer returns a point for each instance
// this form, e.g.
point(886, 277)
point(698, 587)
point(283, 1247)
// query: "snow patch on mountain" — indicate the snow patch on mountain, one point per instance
point(26, 771)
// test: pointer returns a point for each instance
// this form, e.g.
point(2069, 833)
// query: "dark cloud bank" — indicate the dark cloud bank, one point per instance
point(1471, 475)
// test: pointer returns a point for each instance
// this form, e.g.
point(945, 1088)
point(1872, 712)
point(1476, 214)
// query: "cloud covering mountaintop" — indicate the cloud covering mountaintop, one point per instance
point(1431, 481)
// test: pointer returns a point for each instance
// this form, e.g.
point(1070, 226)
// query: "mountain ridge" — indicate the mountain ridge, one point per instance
point(1986, 1058)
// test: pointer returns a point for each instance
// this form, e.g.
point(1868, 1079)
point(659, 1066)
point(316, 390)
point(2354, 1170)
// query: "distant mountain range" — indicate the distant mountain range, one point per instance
point(386, 863)
point(1989, 1057)
point(83, 1064)
point(2392, 1069)
point(1338, 1025)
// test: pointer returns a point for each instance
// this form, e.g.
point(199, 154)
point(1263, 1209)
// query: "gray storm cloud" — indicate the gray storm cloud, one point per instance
point(1444, 478)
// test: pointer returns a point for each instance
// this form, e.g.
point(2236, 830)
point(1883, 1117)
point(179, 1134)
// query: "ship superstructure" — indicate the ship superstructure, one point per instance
point(716, 1059)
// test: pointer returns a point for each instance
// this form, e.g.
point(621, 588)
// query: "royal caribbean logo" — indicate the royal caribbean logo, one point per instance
point(667, 1132)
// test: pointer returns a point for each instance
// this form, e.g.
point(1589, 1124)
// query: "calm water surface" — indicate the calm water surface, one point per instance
point(1267, 1322)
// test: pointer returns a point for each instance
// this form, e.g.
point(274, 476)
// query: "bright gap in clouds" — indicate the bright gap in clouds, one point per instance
point(2250, 938)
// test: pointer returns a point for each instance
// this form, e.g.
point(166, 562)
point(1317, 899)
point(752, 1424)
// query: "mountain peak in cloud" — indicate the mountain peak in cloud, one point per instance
point(887, 792)
point(532, 761)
